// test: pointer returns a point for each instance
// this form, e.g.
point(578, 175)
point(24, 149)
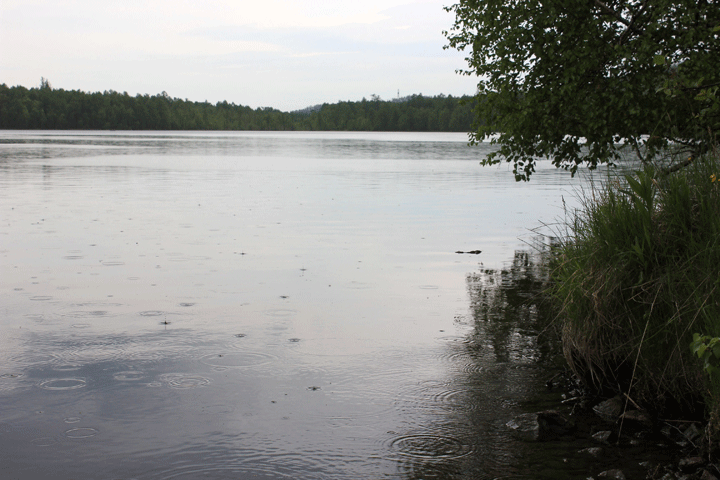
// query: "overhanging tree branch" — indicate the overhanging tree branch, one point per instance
point(595, 73)
point(612, 12)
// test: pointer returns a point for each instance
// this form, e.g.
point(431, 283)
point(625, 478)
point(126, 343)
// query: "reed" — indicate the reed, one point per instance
point(637, 275)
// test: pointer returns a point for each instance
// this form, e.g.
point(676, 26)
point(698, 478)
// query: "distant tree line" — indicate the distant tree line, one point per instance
point(58, 109)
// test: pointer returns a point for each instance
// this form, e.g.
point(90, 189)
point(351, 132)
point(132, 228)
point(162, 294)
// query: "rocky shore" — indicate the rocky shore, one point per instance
point(618, 429)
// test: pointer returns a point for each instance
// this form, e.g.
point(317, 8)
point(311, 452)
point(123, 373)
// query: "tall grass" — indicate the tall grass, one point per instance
point(636, 277)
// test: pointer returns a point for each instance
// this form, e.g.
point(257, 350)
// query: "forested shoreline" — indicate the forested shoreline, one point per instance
point(58, 109)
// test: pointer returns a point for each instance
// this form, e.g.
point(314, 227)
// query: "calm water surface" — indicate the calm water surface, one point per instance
point(268, 305)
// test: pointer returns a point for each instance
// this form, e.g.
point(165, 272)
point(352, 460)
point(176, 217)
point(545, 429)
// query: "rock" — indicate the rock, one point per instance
point(609, 410)
point(603, 437)
point(541, 426)
point(674, 435)
point(707, 476)
point(594, 451)
point(690, 464)
point(636, 420)
point(554, 424)
point(525, 426)
point(614, 474)
point(692, 433)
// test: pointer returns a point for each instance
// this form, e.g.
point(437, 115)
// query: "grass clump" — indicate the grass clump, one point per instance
point(636, 278)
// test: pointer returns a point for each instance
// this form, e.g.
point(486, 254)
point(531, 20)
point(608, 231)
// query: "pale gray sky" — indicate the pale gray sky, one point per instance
point(286, 54)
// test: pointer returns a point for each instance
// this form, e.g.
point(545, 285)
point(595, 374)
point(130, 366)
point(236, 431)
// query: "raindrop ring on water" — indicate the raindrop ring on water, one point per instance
point(63, 384)
point(236, 359)
point(182, 380)
point(82, 432)
point(429, 446)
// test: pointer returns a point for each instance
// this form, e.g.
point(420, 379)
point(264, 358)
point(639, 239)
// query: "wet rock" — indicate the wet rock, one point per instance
point(692, 433)
point(636, 420)
point(609, 410)
point(603, 437)
point(674, 435)
point(554, 424)
point(613, 474)
point(706, 475)
point(594, 451)
point(690, 464)
point(545, 425)
point(525, 426)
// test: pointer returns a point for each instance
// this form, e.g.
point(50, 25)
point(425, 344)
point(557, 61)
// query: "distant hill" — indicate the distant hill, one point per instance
point(58, 109)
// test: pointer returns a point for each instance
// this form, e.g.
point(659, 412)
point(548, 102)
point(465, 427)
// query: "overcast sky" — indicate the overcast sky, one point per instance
point(286, 54)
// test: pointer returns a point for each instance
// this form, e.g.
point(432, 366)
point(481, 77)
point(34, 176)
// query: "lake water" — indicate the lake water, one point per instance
point(270, 305)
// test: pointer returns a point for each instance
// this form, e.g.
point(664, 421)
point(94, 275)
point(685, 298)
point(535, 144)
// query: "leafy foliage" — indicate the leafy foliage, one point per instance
point(48, 108)
point(572, 80)
point(707, 349)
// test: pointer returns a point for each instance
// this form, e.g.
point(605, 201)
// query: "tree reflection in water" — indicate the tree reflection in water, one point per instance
point(499, 370)
point(508, 307)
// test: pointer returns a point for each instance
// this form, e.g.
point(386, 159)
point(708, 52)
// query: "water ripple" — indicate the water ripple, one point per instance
point(183, 380)
point(237, 359)
point(428, 446)
point(44, 441)
point(82, 432)
point(62, 384)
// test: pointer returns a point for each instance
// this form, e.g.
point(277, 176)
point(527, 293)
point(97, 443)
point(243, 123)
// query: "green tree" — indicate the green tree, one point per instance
point(571, 80)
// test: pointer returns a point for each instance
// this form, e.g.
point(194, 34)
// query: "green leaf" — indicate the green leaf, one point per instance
point(716, 352)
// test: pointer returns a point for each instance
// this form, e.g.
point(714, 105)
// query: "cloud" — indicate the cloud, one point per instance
point(280, 53)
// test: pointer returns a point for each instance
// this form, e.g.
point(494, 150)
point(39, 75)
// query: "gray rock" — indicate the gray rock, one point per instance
point(594, 451)
point(636, 419)
point(707, 476)
point(603, 437)
point(554, 424)
point(541, 426)
point(614, 474)
point(692, 433)
point(525, 426)
point(690, 464)
point(609, 410)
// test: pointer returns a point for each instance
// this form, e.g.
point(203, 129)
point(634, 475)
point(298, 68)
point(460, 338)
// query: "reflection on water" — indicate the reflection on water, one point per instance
point(502, 367)
point(508, 307)
point(270, 305)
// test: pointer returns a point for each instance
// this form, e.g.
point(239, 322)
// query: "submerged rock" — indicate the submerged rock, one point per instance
point(541, 426)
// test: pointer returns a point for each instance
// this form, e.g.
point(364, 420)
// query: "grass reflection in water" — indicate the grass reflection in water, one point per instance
point(502, 366)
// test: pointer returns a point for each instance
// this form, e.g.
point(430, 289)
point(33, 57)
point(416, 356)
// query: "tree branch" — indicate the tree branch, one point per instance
point(636, 147)
point(612, 12)
point(678, 166)
point(631, 25)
